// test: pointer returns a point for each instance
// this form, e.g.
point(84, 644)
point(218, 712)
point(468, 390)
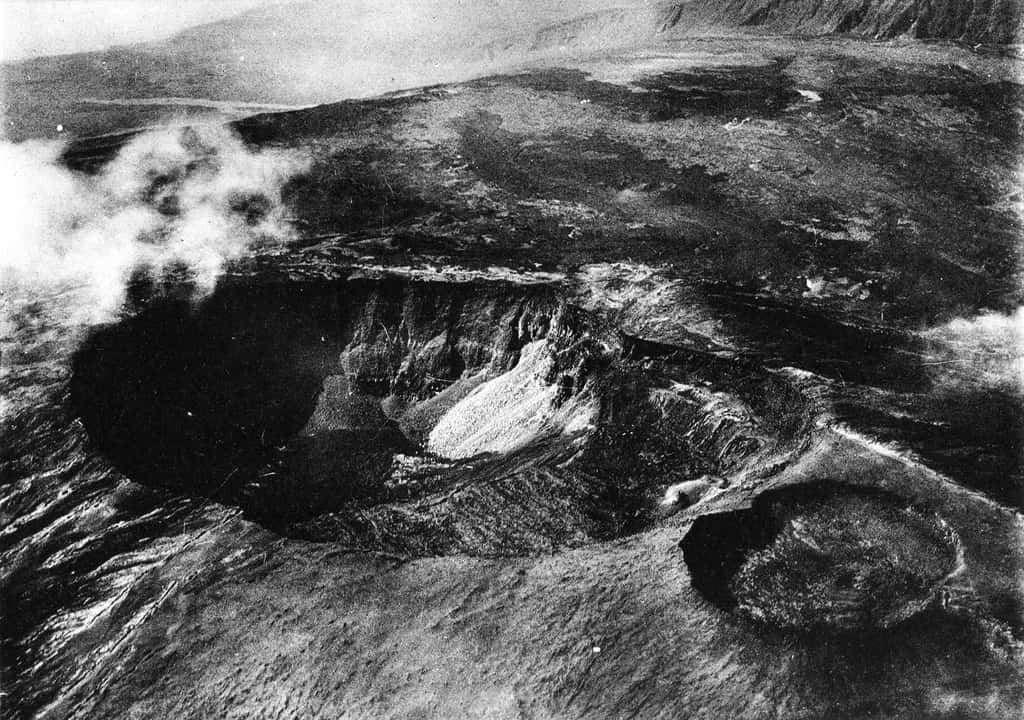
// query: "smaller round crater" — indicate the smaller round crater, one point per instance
point(822, 557)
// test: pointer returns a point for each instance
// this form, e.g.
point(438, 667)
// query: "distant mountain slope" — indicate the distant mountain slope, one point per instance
point(326, 50)
point(970, 21)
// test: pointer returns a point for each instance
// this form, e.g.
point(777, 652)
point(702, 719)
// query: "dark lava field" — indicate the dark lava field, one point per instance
point(675, 380)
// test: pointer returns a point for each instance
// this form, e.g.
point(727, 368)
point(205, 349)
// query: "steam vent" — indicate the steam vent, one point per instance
point(513, 360)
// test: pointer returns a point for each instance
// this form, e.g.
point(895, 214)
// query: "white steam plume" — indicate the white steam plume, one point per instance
point(194, 197)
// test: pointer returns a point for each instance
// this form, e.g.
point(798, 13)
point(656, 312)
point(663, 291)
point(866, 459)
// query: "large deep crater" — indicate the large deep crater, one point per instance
point(421, 416)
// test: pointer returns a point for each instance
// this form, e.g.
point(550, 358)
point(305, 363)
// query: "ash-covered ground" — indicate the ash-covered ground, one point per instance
point(682, 381)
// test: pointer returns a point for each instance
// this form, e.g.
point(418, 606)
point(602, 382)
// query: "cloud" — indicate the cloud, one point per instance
point(187, 199)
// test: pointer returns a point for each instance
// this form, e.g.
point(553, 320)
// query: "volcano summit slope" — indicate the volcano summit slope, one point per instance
point(681, 381)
